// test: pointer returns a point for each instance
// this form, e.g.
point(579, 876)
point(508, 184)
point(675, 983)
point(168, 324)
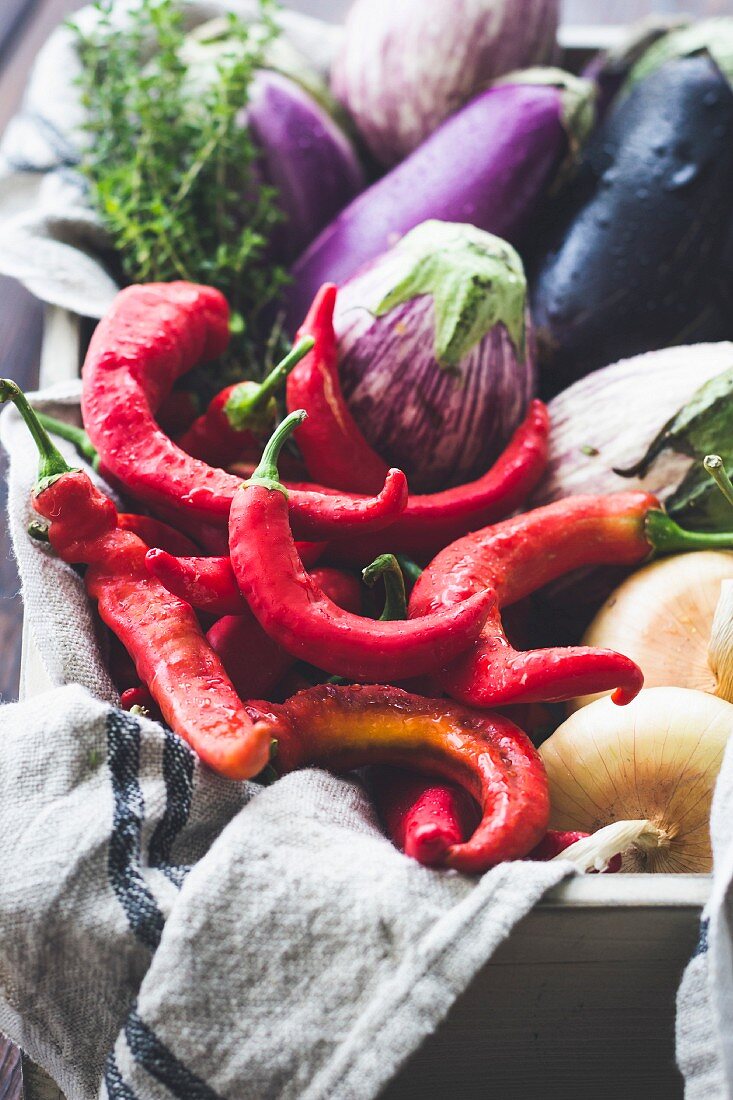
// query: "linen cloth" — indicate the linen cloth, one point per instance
point(165, 932)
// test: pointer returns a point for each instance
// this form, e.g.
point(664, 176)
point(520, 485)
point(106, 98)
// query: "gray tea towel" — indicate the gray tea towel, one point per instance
point(167, 933)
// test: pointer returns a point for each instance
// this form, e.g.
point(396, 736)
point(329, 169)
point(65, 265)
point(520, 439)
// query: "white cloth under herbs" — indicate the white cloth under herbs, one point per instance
point(165, 933)
point(50, 237)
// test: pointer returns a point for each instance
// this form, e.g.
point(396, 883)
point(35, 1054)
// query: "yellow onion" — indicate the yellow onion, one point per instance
point(652, 764)
point(664, 618)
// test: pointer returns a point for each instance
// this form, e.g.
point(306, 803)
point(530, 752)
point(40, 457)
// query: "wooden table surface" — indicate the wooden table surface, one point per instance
point(24, 25)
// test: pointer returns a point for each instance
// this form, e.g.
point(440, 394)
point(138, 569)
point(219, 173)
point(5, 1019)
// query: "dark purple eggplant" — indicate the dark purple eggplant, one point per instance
point(637, 258)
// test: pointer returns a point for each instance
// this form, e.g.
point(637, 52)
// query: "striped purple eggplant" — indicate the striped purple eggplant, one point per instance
point(305, 155)
point(434, 355)
point(405, 65)
point(489, 164)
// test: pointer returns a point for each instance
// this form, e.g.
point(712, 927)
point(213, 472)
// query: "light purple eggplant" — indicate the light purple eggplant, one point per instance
point(305, 155)
point(404, 66)
point(434, 356)
point(488, 165)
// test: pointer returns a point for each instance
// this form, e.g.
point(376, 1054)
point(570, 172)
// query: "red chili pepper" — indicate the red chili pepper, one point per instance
point(422, 817)
point(296, 613)
point(554, 842)
point(209, 584)
point(253, 661)
point(152, 335)
point(342, 728)
point(154, 532)
point(159, 631)
point(520, 555)
point(140, 699)
point(239, 416)
point(337, 454)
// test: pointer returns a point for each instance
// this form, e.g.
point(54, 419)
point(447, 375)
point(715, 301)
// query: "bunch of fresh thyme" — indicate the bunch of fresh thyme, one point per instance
point(171, 167)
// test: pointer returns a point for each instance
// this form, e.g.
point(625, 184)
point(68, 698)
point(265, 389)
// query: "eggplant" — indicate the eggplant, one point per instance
point(638, 256)
point(434, 358)
point(405, 66)
point(489, 165)
point(304, 155)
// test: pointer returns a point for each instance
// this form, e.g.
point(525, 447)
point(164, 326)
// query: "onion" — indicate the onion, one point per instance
point(652, 763)
point(609, 418)
point(673, 618)
point(433, 352)
point(405, 65)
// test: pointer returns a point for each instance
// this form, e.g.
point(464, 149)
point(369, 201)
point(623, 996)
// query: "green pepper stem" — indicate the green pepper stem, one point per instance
point(388, 569)
point(71, 434)
point(267, 474)
point(667, 537)
point(51, 463)
point(246, 400)
point(715, 466)
point(411, 571)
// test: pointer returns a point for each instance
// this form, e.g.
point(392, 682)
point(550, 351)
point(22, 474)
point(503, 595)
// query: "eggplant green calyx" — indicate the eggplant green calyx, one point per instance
point(712, 36)
point(577, 98)
point(266, 475)
point(476, 280)
point(388, 569)
point(51, 463)
point(251, 405)
point(667, 537)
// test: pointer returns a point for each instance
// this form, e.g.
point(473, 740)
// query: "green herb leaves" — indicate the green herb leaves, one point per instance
point(172, 167)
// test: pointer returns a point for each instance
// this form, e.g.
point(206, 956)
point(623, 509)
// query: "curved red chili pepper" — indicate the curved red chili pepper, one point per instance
point(297, 614)
point(337, 454)
point(253, 661)
point(515, 558)
point(209, 584)
point(153, 335)
point(159, 631)
point(154, 532)
point(342, 728)
point(334, 450)
point(434, 520)
point(422, 817)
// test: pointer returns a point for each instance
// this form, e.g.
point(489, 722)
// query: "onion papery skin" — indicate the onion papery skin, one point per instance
point(661, 617)
point(305, 155)
point(655, 759)
point(406, 65)
point(441, 427)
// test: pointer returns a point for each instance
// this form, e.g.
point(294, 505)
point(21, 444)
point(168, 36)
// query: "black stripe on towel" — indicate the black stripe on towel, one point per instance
point(117, 1088)
point(178, 768)
point(702, 939)
point(154, 1056)
point(123, 860)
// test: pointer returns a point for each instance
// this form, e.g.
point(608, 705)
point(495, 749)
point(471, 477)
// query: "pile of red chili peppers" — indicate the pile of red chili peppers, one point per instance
point(264, 652)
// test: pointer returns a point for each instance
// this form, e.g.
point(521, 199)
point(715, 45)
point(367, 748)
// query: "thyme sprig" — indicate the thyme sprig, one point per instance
point(172, 169)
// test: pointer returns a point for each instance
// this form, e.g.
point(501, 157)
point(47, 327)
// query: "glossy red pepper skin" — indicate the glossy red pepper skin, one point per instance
point(299, 616)
point(253, 661)
point(141, 697)
point(337, 454)
point(342, 728)
point(422, 817)
point(334, 450)
point(159, 631)
point(153, 335)
point(514, 559)
point(154, 532)
point(212, 438)
point(209, 584)
point(433, 521)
